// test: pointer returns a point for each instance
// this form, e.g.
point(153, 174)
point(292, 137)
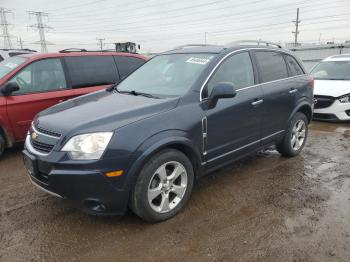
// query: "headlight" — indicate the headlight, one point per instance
point(344, 99)
point(87, 146)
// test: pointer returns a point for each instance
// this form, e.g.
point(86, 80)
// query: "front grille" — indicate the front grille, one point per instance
point(324, 101)
point(42, 147)
point(48, 132)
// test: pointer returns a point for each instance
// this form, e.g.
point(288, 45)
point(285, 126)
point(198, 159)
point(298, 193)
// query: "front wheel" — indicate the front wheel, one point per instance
point(163, 186)
point(295, 137)
point(2, 145)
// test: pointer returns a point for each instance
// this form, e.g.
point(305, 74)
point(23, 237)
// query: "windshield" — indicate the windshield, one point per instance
point(10, 64)
point(167, 75)
point(332, 70)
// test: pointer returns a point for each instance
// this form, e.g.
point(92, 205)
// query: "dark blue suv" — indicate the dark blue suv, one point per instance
point(144, 142)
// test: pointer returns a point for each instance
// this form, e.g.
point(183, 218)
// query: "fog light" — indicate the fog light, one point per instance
point(115, 173)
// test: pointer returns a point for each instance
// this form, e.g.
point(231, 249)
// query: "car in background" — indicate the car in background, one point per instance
point(30, 83)
point(6, 53)
point(143, 143)
point(332, 88)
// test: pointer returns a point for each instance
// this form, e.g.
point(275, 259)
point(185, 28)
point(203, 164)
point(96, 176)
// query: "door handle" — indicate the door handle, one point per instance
point(293, 90)
point(257, 102)
point(61, 100)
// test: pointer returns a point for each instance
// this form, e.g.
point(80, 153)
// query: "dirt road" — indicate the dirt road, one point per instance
point(264, 208)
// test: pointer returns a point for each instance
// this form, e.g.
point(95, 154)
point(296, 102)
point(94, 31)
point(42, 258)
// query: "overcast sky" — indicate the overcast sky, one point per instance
point(158, 25)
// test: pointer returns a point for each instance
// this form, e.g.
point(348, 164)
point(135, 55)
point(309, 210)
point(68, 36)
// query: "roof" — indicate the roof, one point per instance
point(344, 57)
point(36, 56)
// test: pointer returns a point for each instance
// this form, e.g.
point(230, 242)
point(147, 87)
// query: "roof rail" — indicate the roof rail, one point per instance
point(190, 45)
point(69, 50)
point(255, 42)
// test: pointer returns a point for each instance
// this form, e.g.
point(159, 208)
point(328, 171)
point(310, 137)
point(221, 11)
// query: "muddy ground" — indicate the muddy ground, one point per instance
point(263, 208)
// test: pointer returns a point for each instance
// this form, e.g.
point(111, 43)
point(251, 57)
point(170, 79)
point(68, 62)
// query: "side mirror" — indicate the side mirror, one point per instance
point(9, 88)
point(221, 90)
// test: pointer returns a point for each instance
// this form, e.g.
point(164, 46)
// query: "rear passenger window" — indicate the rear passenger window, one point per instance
point(293, 66)
point(237, 70)
point(88, 71)
point(127, 65)
point(272, 65)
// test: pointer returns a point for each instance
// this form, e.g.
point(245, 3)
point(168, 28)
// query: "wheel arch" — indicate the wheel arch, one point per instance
point(154, 145)
point(303, 107)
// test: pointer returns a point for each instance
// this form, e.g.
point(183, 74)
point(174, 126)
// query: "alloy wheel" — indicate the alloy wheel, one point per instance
point(298, 135)
point(167, 187)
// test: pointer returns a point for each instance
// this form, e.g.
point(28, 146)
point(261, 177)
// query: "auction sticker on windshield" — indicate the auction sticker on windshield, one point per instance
point(197, 60)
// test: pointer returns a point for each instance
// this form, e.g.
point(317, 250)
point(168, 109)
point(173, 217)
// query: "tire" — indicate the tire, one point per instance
point(163, 186)
point(2, 145)
point(294, 140)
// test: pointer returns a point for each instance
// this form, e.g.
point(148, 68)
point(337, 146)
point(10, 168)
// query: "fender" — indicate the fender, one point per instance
point(156, 143)
point(302, 102)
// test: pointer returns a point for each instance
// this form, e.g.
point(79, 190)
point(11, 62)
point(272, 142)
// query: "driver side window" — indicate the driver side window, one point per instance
point(41, 76)
point(236, 69)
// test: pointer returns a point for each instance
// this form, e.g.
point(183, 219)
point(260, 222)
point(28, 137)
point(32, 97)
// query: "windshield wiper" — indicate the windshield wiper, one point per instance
point(136, 93)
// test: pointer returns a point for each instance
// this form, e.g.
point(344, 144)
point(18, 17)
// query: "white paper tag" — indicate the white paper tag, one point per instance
point(197, 60)
point(11, 65)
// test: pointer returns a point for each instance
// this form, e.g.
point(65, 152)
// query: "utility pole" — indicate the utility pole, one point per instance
point(20, 43)
point(5, 28)
point(41, 28)
point(205, 37)
point(296, 32)
point(100, 42)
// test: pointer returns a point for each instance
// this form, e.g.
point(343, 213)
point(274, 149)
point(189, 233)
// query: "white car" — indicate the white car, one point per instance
point(6, 53)
point(332, 88)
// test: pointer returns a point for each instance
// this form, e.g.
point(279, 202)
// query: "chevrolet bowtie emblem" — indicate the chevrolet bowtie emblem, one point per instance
point(34, 135)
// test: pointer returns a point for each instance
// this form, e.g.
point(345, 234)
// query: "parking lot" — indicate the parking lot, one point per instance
point(263, 208)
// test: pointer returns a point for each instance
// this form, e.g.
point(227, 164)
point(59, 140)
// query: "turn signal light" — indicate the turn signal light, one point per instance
point(115, 173)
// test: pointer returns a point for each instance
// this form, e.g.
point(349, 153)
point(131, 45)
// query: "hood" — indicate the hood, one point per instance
point(333, 88)
point(101, 111)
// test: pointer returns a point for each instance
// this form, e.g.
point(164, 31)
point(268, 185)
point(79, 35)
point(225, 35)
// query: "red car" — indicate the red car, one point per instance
point(30, 83)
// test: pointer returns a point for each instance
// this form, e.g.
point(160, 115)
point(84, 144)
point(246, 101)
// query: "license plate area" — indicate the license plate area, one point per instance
point(31, 165)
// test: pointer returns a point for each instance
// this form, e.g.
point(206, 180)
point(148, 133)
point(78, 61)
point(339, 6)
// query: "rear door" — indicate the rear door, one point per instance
point(42, 84)
point(278, 99)
point(87, 74)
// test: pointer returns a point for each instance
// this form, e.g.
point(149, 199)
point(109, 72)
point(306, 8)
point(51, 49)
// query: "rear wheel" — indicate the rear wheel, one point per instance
point(163, 186)
point(295, 138)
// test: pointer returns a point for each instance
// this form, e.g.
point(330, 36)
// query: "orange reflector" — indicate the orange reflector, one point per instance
point(115, 173)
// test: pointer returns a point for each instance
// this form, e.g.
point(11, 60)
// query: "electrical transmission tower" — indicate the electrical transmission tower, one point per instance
point(5, 28)
point(296, 32)
point(41, 29)
point(100, 42)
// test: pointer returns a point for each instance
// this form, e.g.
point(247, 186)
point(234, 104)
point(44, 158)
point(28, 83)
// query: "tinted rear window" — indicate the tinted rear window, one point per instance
point(88, 71)
point(294, 66)
point(127, 65)
point(272, 65)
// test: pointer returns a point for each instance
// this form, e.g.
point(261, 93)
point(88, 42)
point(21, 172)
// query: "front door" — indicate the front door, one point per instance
point(42, 84)
point(234, 125)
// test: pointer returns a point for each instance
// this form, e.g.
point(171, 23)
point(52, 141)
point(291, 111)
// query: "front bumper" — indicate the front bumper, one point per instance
point(89, 190)
point(335, 112)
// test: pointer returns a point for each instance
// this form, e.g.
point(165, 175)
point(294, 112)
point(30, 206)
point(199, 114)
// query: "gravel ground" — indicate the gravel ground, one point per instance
point(263, 208)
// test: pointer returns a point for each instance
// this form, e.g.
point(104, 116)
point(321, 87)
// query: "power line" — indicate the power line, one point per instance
point(296, 32)
point(192, 21)
point(41, 29)
point(78, 5)
point(5, 27)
